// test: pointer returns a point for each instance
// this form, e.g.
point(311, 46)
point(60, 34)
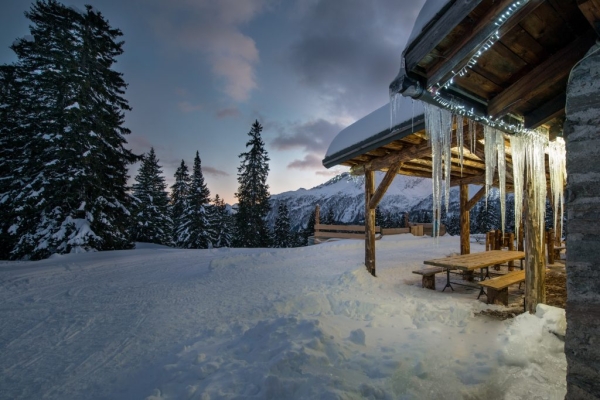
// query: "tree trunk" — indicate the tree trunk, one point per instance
point(582, 136)
point(369, 222)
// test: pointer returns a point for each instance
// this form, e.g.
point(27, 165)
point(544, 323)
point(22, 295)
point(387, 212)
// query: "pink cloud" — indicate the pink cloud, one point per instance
point(213, 29)
point(310, 161)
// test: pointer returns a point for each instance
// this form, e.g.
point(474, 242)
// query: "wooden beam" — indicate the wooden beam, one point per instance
point(471, 180)
point(434, 33)
point(384, 185)
point(465, 246)
point(591, 12)
point(369, 222)
point(548, 73)
point(462, 52)
point(406, 154)
point(550, 110)
point(476, 197)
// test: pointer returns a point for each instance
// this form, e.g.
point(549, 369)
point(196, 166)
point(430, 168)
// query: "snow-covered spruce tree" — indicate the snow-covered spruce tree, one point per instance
point(253, 193)
point(179, 197)
point(309, 230)
point(195, 231)
point(151, 214)
point(71, 192)
point(221, 222)
point(282, 236)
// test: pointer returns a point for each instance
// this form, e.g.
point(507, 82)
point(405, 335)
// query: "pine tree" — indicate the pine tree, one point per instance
point(195, 231)
point(221, 223)
point(71, 193)
point(179, 197)
point(379, 219)
point(309, 230)
point(328, 217)
point(253, 193)
point(282, 233)
point(152, 220)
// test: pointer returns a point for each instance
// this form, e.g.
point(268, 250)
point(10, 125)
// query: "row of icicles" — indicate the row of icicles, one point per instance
point(527, 150)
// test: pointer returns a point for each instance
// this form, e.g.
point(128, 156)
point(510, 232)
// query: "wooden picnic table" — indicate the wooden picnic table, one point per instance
point(471, 262)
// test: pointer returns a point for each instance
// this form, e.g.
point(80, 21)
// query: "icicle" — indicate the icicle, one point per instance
point(438, 125)
point(472, 134)
point(460, 139)
point(491, 157)
point(558, 177)
point(536, 163)
point(517, 147)
point(528, 157)
point(501, 175)
point(394, 104)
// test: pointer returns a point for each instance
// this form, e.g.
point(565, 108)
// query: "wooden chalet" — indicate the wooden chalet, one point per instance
point(513, 65)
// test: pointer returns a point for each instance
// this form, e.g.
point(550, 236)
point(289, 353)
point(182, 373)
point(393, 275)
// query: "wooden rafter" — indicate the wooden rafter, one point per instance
point(591, 12)
point(462, 51)
point(550, 72)
point(546, 112)
point(384, 185)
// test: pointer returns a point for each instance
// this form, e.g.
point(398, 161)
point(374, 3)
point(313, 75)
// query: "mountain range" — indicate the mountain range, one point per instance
point(345, 194)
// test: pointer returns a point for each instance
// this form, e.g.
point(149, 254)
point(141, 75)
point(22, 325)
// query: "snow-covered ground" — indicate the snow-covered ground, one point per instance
point(160, 323)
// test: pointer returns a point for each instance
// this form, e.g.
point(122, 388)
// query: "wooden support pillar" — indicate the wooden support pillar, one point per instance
point(535, 271)
point(369, 222)
point(317, 215)
point(550, 245)
point(465, 228)
point(511, 247)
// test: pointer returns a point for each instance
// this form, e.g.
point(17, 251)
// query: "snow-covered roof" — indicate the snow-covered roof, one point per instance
point(374, 130)
point(430, 9)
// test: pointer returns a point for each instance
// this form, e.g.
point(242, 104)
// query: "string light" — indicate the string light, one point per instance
point(487, 44)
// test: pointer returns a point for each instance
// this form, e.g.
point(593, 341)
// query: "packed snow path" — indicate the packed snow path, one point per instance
point(162, 323)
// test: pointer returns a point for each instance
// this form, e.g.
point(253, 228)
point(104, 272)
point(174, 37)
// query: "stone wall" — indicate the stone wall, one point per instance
point(582, 135)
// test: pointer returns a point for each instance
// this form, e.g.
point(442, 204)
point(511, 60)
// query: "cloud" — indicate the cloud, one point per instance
point(310, 161)
point(350, 54)
point(187, 107)
point(227, 113)
point(213, 29)
point(312, 136)
point(213, 171)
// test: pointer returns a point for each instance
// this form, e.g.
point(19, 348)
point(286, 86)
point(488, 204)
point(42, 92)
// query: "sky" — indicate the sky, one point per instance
point(200, 72)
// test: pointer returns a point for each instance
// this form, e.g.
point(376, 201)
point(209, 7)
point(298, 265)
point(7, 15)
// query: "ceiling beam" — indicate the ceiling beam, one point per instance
point(546, 112)
point(591, 12)
point(384, 185)
point(406, 154)
point(548, 73)
point(460, 54)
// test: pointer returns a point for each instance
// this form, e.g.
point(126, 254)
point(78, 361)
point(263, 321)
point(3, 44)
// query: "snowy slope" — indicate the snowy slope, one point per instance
point(161, 323)
point(346, 195)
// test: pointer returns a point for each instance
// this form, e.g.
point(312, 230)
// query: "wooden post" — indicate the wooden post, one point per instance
point(406, 222)
point(550, 245)
point(511, 247)
point(465, 246)
point(369, 222)
point(535, 273)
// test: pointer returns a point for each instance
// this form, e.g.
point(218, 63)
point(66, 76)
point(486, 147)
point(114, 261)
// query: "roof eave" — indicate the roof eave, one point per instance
point(384, 137)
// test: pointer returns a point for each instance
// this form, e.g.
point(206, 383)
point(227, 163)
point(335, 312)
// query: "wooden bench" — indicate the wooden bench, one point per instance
point(497, 288)
point(428, 274)
point(324, 232)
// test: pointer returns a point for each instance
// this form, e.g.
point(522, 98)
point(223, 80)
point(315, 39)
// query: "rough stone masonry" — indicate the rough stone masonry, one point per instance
point(582, 136)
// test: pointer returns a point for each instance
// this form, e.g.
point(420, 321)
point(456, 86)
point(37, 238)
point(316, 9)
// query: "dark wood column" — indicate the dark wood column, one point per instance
point(369, 222)
point(465, 227)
